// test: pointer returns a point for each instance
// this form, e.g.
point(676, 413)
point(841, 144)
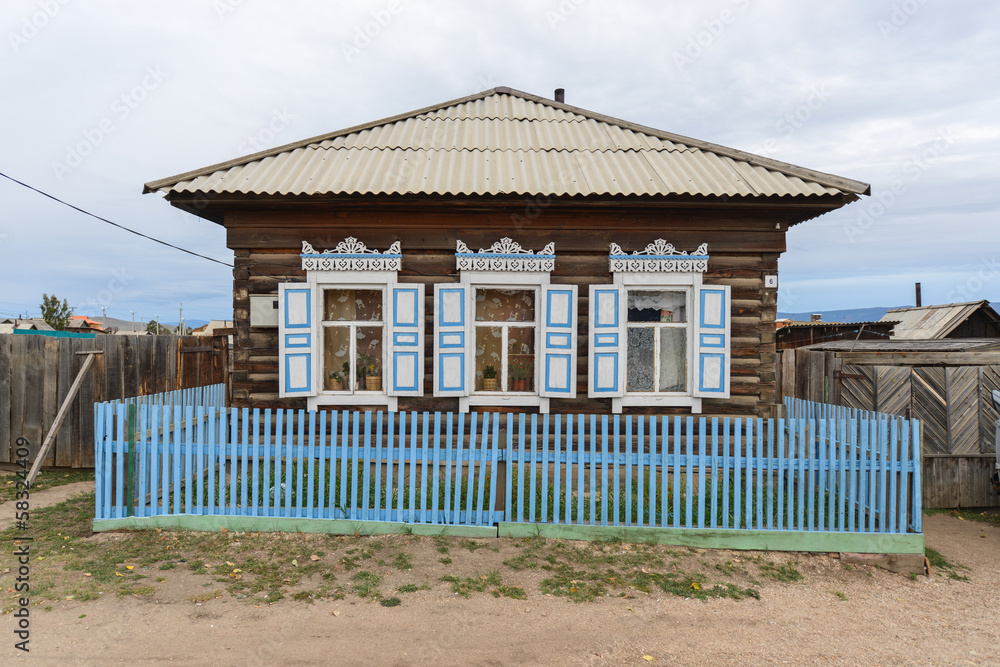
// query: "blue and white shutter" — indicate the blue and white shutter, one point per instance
point(406, 340)
point(606, 368)
point(296, 339)
point(558, 368)
point(452, 343)
point(712, 341)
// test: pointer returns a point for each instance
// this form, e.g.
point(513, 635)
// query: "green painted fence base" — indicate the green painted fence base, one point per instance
point(255, 524)
point(705, 538)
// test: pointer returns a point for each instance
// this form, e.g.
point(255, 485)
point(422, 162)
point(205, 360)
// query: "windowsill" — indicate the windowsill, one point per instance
point(360, 398)
point(505, 400)
point(656, 400)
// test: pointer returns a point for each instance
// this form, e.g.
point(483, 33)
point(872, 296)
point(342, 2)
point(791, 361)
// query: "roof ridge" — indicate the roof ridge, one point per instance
point(821, 178)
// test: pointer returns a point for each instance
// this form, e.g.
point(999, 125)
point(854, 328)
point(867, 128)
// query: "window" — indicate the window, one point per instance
point(353, 333)
point(658, 336)
point(350, 334)
point(505, 339)
point(503, 334)
point(657, 345)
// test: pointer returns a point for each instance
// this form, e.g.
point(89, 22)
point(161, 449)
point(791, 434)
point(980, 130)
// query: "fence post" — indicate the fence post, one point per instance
point(130, 457)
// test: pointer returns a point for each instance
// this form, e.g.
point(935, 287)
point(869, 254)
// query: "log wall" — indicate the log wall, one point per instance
point(744, 247)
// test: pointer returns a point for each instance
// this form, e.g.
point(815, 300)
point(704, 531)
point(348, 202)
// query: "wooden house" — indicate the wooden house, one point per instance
point(511, 252)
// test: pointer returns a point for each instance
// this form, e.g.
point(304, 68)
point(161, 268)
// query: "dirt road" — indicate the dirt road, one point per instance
point(837, 615)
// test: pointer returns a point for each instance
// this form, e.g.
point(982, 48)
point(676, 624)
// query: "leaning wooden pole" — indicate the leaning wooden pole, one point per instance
point(63, 409)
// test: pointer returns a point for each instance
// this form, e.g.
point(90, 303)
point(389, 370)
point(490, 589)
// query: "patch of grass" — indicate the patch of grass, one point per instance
point(471, 545)
point(144, 591)
point(839, 595)
point(785, 573)
point(412, 588)
point(402, 561)
point(468, 585)
point(939, 562)
point(167, 566)
point(442, 543)
point(445, 561)
point(46, 479)
point(390, 602)
point(304, 596)
point(366, 584)
point(205, 597)
point(515, 592)
point(967, 515)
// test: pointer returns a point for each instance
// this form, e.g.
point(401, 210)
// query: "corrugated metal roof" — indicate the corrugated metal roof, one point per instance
point(506, 142)
point(931, 322)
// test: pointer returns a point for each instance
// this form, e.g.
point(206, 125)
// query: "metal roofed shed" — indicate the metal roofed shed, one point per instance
point(974, 319)
point(797, 334)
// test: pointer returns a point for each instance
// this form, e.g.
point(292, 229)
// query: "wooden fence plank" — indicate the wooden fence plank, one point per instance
point(6, 437)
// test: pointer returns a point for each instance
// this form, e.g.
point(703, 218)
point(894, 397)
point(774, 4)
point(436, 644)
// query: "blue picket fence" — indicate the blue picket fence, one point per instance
point(821, 468)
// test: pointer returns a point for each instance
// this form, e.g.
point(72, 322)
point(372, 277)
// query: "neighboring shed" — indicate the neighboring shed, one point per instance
point(619, 267)
point(946, 384)
point(210, 328)
point(798, 334)
point(975, 319)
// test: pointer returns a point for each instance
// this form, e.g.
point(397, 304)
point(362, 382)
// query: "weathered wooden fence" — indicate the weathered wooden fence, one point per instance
point(36, 373)
point(948, 392)
point(818, 481)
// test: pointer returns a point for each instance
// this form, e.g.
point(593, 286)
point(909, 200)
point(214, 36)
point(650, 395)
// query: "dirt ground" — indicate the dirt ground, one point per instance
point(836, 615)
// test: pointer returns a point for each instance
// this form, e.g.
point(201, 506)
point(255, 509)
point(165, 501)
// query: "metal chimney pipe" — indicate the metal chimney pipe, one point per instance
point(560, 95)
point(918, 295)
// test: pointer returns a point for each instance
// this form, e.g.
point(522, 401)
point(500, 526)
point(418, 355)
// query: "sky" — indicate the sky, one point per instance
point(102, 96)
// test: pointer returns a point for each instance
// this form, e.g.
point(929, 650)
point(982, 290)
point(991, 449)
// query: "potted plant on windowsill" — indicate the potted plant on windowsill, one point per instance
point(489, 379)
point(522, 368)
point(368, 372)
point(341, 378)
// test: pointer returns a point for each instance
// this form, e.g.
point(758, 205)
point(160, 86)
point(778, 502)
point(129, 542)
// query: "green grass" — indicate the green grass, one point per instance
point(46, 479)
point(966, 514)
point(266, 568)
point(944, 567)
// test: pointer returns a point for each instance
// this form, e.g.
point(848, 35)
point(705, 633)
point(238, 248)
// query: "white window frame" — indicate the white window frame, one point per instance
point(474, 280)
point(689, 284)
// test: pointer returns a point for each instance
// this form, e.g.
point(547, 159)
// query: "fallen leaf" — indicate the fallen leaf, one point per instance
point(130, 567)
point(229, 564)
point(647, 658)
point(314, 557)
point(695, 585)
point(223, 530)
point(295, 562)
point(119, 574)
point(336, 613)
point(87, 574)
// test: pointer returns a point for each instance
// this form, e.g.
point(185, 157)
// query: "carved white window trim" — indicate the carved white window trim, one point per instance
point(505, 255)
point(658, 257)
point(351, 255)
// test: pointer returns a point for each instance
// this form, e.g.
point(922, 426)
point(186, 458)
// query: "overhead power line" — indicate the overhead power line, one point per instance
point(115, 224)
